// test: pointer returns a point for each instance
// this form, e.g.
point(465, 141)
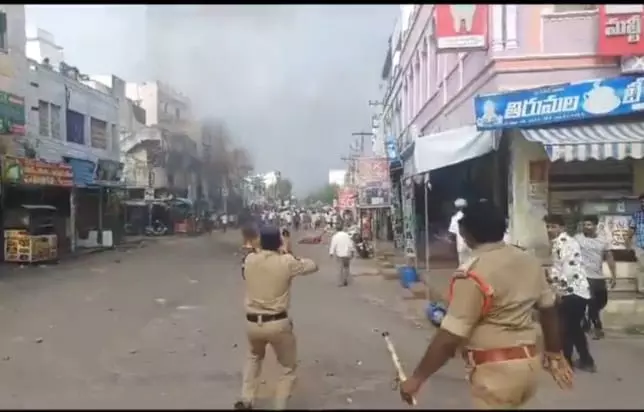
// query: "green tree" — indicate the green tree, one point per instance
point(282, 189)
point(325, 194)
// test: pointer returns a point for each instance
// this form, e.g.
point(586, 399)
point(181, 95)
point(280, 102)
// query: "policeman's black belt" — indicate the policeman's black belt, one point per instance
point(252, 317)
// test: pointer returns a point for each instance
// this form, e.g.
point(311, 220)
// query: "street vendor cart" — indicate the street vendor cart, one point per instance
point(29, 234)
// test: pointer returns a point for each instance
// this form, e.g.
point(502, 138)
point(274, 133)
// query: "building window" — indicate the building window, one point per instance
point(98, 133)
point(115, 138)
point(563, 8)
point(75, 127)
point(4, 44)
point(177, 113)
point(43, 118)
point(55, 121)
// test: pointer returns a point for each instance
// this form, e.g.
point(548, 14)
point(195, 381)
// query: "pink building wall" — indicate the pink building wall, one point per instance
point(529, 46)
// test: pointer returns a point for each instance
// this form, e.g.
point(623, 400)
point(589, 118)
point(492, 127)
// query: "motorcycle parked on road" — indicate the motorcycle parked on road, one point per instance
point(156, 229)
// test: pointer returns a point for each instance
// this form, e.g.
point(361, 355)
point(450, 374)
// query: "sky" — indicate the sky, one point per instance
point(291, 82)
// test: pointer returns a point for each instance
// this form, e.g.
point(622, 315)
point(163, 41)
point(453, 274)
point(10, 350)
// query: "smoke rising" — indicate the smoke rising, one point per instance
point(291, 82)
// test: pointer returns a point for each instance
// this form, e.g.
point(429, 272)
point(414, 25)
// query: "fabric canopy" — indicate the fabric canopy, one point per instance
point(597, 141)
point(454, 146)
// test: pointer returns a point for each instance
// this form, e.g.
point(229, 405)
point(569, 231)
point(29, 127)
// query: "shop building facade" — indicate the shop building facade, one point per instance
point(432, 90)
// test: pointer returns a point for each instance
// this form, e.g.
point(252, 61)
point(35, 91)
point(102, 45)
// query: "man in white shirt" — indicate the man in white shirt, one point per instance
point(224, 222)
point(594, 250)
point(341, 247)
point(568, 278)
point(461, 247)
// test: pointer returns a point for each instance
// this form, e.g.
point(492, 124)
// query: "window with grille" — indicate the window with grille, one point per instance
point(55, 121)
point(43, 118)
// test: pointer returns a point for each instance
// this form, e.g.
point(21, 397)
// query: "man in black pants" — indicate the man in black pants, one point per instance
point(568, 277)
point(594, 250)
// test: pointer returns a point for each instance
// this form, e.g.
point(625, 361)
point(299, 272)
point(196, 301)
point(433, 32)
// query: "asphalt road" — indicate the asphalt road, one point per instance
point(162, 327)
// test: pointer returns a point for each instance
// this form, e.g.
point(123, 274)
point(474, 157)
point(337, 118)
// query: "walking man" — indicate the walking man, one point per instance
point(568, 277)
point(489, 318)
point(224, 222)
point(594, 250)
point(268, 287)
point(637, 232)
point(341, 247)
point(461, 247)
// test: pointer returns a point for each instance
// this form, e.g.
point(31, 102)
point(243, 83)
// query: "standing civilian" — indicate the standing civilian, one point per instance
point(637, 232)
point(342, 249)
point(461, 247)
point(569, 280)
point(594, 250)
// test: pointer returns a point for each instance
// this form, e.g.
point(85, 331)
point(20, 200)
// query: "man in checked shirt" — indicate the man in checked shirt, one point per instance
point(568, 278)
point(637, 232)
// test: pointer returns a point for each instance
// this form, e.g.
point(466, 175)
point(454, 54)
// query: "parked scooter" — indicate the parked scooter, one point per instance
point(363, 247)
point(156, 229)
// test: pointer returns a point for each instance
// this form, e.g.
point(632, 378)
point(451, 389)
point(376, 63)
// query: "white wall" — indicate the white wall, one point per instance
point(49, 86)
point(41, 44)
point(527, 228)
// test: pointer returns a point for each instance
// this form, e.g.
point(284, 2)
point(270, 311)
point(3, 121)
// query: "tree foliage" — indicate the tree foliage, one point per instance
point(325, 194)
point(282, 189)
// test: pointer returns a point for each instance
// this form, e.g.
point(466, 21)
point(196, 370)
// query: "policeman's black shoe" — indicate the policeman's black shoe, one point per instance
point(239, 405)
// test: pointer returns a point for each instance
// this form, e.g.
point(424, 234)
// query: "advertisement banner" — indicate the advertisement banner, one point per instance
point(461, 27)
point(374, 196)
point(620, 30)
point(20, 170)
point(372, 169)
point(614, 96)
point(346, 198)
point(391, 146)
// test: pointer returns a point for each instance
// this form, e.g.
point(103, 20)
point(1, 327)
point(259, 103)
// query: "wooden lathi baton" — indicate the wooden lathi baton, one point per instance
point(394, 357)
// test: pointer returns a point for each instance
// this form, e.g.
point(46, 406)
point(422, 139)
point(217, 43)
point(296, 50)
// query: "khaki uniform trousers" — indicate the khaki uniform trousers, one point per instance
point(506, 384)
point(278, 334)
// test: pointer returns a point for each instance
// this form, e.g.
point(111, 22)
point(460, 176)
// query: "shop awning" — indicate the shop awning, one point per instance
point(598, 141)
point(453, 146)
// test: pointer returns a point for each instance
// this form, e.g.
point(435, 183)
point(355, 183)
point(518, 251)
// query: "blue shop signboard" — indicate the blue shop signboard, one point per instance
point(392, 153)
point(560, 103)
point(83, 171)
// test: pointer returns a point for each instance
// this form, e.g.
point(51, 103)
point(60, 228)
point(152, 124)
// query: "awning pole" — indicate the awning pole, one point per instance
point(425, 188)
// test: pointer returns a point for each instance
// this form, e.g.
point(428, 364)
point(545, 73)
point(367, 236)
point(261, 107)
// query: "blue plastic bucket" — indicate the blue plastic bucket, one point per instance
point(408, 275)
point(435, 313)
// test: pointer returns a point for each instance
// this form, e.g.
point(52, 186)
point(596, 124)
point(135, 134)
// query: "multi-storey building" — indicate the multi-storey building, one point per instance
point(446, 107)
point(13, 76)
point(171, 143)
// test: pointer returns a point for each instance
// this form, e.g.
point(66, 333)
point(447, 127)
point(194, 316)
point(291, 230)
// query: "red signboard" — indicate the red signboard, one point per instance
point(371, 170)
point(620, 30)
point(346, 198)
point(461, 27)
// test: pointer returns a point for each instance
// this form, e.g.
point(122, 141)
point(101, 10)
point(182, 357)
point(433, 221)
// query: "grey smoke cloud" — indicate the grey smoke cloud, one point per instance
point(290, 81)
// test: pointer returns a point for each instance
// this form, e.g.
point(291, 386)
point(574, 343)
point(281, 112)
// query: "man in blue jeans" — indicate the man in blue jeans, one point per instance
point(637, 232)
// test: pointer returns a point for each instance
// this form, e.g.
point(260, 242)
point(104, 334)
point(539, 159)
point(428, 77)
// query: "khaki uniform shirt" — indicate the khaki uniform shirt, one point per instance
point(268, 280)
point(518, 285)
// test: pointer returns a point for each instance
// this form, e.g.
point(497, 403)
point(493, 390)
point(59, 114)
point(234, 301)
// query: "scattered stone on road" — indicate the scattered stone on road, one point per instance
point(148, 356)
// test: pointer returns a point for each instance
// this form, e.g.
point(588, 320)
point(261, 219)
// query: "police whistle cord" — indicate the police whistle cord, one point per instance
point(394, 357)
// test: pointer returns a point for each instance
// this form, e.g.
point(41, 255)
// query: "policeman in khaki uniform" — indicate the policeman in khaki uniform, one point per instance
point(490, 319)
point(268, 276)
